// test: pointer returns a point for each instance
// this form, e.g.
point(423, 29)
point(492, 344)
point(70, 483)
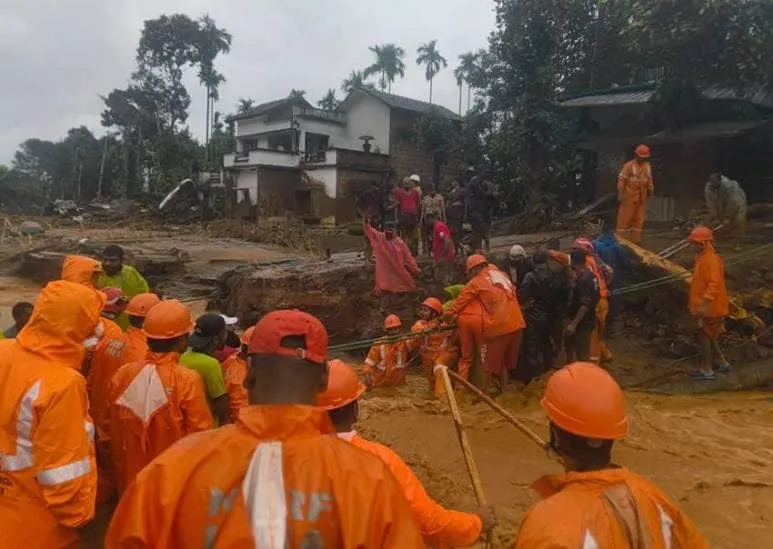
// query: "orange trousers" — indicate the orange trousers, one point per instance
point(501, 353)
point(471, 343)
point(445, 358)
point(598, 344)
point(630, 220)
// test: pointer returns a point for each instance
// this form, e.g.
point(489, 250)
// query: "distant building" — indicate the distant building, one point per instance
point(732, 132)
point(294, 159)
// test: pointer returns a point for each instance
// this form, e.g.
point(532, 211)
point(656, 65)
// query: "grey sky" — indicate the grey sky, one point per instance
point(56, 57)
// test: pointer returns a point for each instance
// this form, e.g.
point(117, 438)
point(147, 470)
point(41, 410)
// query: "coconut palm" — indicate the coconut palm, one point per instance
point(430, 57)
point(459, 74)
point(244, 105)
point(296, 94)
point(389, 64)
point(329, 101)
point(464, 70)
point(355, 80)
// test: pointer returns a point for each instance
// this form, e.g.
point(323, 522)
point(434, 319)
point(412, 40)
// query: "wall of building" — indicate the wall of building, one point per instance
point(247, 179)
point(260, 124)
point(367, 116)
point(276, 191)
point(326, 176)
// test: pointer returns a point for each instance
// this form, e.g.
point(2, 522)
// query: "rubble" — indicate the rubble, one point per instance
point(29, 228)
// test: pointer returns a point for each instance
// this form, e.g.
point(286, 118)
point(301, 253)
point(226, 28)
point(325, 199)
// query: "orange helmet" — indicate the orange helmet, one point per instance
point(247, 335)
point(433, 303)
point(392, 321)
point(167, 320)
point(140, 304)
point(584, 400)
point(475, 260)
point(701, 235)
point(643, 151)
point(343, 386)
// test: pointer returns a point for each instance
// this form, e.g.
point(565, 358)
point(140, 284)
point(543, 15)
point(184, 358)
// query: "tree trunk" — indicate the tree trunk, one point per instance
point(430, 91)
point(78, 182)
point(206, 128)
point(469, 94)
point(460, 100)
point(102, 168)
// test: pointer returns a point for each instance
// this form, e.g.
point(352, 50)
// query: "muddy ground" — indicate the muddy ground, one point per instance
point(713, 453)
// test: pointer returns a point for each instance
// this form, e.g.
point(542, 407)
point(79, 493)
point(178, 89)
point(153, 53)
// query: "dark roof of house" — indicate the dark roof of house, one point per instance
point(405, 103)
point(269, 106)
point(643, 93)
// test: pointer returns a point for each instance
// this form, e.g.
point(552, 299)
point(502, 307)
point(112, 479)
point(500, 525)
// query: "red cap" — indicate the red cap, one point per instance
point(114, 302)
point(277, 325)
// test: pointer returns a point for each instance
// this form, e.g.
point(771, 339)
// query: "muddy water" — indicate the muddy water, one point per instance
point(712, 455)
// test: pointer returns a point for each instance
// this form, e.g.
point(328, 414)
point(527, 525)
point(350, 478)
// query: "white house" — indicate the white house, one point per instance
point(292, 157)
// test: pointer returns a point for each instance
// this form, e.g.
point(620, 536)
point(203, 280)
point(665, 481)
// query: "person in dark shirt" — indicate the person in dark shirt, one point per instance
point(455, 213)
point(481, 201)
point(582, 310)
point(21, 314)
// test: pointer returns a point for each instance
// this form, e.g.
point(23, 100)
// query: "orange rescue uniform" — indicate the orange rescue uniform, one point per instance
point(440, 527)
point(135, 345)
point(386, 363)
point(289, 483)
point(436, 349)
point(708, 284)
point(80, 269)
point(234, 372)
point(634, 185)
point(48, 475)
point(609, 509)
point(598, 344)
point(154, 403)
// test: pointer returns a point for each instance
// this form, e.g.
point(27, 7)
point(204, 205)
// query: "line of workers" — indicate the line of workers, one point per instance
point(88, 409)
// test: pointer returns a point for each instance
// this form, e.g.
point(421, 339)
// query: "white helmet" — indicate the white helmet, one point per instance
point(415, 178)
point(517, 251)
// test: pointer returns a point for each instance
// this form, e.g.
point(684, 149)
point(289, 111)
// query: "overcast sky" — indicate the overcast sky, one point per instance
point(56, 57)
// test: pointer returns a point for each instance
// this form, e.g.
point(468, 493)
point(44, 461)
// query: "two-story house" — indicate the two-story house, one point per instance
point(294, 159)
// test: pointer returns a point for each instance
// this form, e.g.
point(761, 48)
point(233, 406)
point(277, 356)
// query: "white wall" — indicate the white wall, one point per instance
point(248, 179)
point(252, 126)
point(263, 157)
point(328, 176)
point(367, 116)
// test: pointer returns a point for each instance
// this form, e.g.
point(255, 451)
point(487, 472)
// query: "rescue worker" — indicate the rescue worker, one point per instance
point(436, 348)
point(519, 265)
point(386, 361)
point(440, 527)
point(234, 374)
point(116, 274)
point(582, 309)
point(81, 270)
point(709, 303)
point(541, 297)
point(596, 503)
point(599, 352)
point(497, 331)
point(48, 474)
point(726, 203)
point(560, 265)
point(21, 313)
point(276, 478)
point(156, 401)
point(135, 341)
point(611, 252)
point(395, 266)
point(634, 186)
point(209, 334)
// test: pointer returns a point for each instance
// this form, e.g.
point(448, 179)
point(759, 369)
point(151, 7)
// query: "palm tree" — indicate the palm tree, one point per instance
point(329, 101)
point(430, 57)
point(466, 66)
point(389, 64)
point(244, 105)
point(355, 80)
point(296, 94)
point(459, 74)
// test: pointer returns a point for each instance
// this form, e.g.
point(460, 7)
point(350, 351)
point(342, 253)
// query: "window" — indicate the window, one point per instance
point(249, 144)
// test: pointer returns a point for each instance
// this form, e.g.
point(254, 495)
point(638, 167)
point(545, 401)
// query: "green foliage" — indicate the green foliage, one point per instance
point(244, 105)
point(329, 101)
point(296, 94)
point(389, 65)
point(356, 79)
point(435, 133)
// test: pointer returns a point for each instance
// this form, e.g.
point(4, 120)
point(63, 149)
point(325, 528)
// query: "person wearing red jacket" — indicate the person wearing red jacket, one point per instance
point(276, 478)
point(595, 503)
point(440, 527)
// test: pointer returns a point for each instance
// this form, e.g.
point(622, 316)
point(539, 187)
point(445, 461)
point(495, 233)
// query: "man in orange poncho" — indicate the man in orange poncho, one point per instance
point(709, 303)
point(48, 474)
point(276, 478)
point(599, 352)
point(436, 348)
point(386, 361)
point(157, 401)
point(395, 266)
point(498, 331)
point(440, 527)
point(234, 373)
point(634, 186)
point(134, 339)
point(597, 503)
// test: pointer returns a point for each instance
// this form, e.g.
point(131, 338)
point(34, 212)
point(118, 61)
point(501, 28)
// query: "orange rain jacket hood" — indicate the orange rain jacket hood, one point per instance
point(48, 477)
point(153, 404)
point(440, 527)
point(80, 269)
point(290, 482)
point(610, 509)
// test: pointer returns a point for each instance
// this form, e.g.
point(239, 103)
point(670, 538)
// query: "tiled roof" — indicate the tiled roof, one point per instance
point(408, 104)
point(263, 108)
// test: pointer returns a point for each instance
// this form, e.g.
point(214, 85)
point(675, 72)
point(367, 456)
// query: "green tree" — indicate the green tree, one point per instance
point(433, 62)
point(388, 65)
point(296, 94)
point(244, 105)
point(329, 101)
point(356, 79)
point(436, 135)
point(463, 73)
